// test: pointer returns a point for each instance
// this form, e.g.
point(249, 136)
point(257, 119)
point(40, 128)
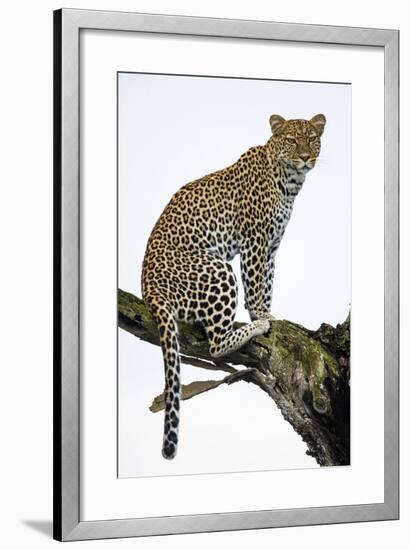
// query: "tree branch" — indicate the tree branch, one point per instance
point(305, 372)
point(201, 386)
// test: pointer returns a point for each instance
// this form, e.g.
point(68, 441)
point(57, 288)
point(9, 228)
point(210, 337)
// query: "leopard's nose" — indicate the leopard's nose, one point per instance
point(304, 156)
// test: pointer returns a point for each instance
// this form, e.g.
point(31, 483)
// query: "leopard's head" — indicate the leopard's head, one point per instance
point(297, 143)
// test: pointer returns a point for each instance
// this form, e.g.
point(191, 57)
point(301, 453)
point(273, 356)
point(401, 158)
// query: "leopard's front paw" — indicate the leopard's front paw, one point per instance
point(262, 315)
point(262, 326)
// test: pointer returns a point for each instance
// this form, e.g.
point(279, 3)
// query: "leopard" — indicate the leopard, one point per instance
point(187, 273)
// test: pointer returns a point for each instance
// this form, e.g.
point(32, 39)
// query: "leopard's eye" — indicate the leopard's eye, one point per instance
point(290, 139)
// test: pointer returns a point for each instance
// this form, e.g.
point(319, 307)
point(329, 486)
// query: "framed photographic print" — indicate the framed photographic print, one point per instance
point(226, 274)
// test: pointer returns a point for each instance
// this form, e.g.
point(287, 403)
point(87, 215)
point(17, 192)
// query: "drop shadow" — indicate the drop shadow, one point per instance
point(44, 526)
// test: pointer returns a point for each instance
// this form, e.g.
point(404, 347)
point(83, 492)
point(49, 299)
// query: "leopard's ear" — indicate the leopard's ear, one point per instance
point(318, 121)
point(276, 122)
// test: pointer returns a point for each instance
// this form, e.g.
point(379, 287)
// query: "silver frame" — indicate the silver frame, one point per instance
point(67, 25)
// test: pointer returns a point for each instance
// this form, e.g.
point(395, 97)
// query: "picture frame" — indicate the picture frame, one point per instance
point(68, 224)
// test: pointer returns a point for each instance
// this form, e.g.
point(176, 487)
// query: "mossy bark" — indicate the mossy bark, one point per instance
point(305, 372)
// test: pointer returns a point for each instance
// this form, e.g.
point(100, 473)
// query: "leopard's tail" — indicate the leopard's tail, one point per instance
point(170, 348)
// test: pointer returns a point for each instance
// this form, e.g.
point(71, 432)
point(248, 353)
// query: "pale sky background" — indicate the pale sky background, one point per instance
point(173, 129)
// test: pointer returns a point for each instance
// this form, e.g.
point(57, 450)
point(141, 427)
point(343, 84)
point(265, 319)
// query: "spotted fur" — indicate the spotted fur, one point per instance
point(244, 209)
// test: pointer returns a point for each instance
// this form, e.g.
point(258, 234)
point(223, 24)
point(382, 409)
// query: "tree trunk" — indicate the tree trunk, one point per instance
point(305, 372)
